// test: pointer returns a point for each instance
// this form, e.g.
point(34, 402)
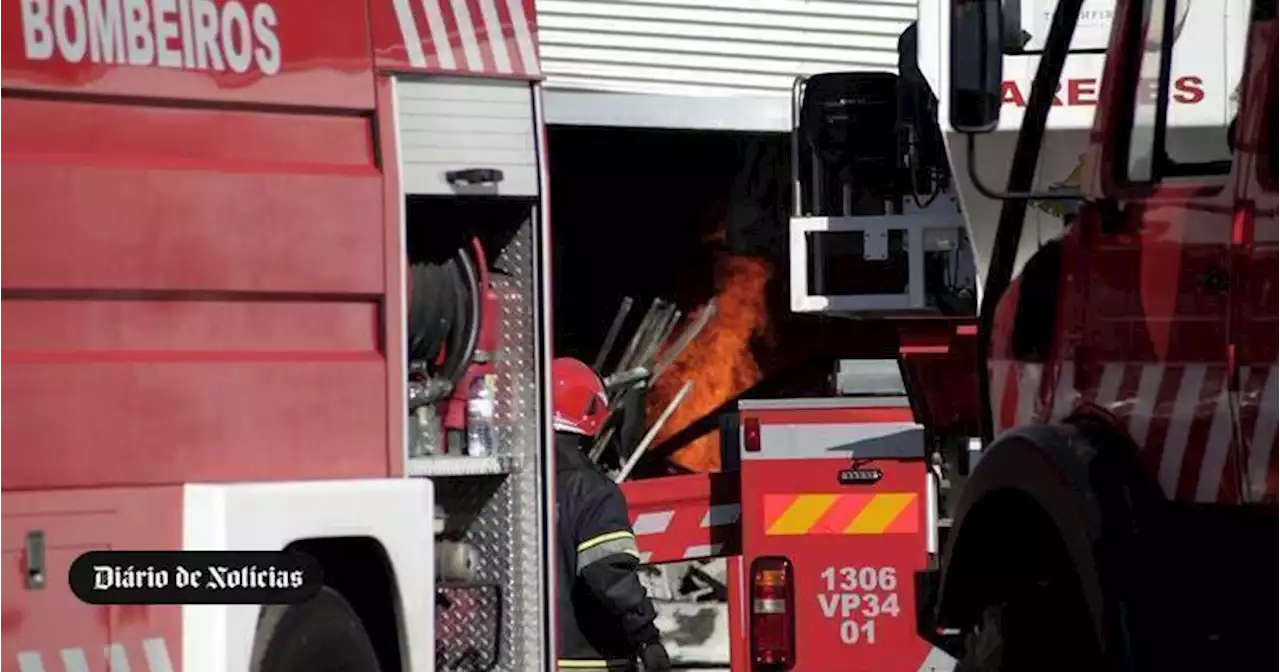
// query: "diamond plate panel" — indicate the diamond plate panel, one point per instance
point(469, 617)
point(494, 622)
point(517, 414)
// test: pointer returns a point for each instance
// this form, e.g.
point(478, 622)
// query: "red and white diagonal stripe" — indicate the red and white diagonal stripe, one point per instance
point(495, 37)
point(1199, 441)
point(668, 534)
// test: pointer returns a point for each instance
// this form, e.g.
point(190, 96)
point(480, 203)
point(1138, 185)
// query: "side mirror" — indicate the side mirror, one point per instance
point(976, 65)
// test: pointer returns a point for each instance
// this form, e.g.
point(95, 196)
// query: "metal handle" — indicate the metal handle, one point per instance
point(470, 176)
point(35, 562)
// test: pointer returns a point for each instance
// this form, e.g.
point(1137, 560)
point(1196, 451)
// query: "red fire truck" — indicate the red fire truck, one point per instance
point(1130, 367)
point(214, 206)
point(208, 208)
point(1100, 492)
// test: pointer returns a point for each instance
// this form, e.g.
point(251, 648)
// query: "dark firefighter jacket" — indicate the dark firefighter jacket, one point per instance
point(604, 612)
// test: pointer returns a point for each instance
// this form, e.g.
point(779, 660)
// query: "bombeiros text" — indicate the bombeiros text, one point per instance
point(228, 35)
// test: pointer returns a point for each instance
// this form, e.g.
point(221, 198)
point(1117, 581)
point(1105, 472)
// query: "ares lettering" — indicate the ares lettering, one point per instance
point(1083, 92)
point(179, 34)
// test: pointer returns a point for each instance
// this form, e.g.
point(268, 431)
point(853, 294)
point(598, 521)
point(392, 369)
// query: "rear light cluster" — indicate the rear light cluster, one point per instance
point(751, 435)
point(773, 621)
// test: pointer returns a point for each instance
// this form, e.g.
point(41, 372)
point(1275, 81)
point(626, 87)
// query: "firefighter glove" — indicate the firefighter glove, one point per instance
point(654, 658)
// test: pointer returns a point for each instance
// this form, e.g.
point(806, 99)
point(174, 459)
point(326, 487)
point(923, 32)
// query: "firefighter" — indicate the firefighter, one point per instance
point(605, 617)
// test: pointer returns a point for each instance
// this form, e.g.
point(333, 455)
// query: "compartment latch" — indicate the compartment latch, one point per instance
point(33, 552)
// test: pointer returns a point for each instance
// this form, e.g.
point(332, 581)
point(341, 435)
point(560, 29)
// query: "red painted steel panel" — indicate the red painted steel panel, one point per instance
point(680, 506)
point(211, 200)
point(50, 620)
point(829, 416)
point(137, 328)
point(194, 296)
point(82, 424)
point(855, 598)
point(132, 135)
point(286, 52)
point(394, 246)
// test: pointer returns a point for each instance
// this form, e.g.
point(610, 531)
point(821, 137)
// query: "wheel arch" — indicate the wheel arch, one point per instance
point(359, 569)
point(331, 519)
point(1077, 494)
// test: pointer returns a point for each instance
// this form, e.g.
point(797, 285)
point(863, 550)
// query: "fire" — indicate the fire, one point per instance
point(719, 361)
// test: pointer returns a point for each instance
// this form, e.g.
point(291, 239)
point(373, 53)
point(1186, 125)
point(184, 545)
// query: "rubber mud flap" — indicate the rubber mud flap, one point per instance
point(322, 634)
point(927, 583)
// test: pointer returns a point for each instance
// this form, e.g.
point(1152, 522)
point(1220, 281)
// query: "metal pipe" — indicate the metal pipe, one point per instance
point(611, 337)
point(660, 336)
point(623, 379)
point(597, 448)
point(797, 98)
point(654, 335)
point(653, 332)
point(691, 332)
point(653, 432)
point(616, 385)
point(817, 176)
point(637, 338)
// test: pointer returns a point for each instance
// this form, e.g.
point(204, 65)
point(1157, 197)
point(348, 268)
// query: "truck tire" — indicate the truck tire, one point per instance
point(1040, 630)
point(322, 634)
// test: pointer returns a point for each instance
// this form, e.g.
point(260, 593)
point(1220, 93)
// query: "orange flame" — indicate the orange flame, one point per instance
point(719, 361)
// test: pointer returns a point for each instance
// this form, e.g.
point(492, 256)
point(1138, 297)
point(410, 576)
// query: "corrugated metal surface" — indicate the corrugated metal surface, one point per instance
point(459, 124)
point(708, 48)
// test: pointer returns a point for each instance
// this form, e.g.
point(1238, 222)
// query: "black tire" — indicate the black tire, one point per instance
point(1044, 629)
point(322, 634)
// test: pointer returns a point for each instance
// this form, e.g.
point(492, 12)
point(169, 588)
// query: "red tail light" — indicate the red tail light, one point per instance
point(773, 614)
point(751, 435)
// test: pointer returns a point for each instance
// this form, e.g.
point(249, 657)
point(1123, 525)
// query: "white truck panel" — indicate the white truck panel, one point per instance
point(270, 516)
point(1203, 80)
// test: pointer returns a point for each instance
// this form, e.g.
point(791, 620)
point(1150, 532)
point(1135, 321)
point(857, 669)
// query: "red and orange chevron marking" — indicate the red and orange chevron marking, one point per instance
point(859, 513)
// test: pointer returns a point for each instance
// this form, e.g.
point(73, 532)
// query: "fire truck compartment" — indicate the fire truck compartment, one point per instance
point(44, 532)
point(839, 488)
point(467, 137)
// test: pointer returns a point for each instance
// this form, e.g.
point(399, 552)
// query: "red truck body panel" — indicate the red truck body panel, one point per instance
point(201, 273)
point(1166, 312)
point(295, 54)
point(192, 296)
point(853, 547)
point(56, 622)
point(202, 232)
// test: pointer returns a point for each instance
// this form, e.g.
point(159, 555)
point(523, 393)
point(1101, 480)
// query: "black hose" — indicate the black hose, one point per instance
point(455, 287)
point(466, 328)
point(444, 312)
point(431, 311)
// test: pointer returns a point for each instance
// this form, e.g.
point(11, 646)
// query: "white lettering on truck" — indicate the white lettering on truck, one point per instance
point(179, 34)
point(858, 597)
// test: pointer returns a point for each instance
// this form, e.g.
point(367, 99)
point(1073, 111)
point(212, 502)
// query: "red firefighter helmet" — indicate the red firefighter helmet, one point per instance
point(578, 396)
